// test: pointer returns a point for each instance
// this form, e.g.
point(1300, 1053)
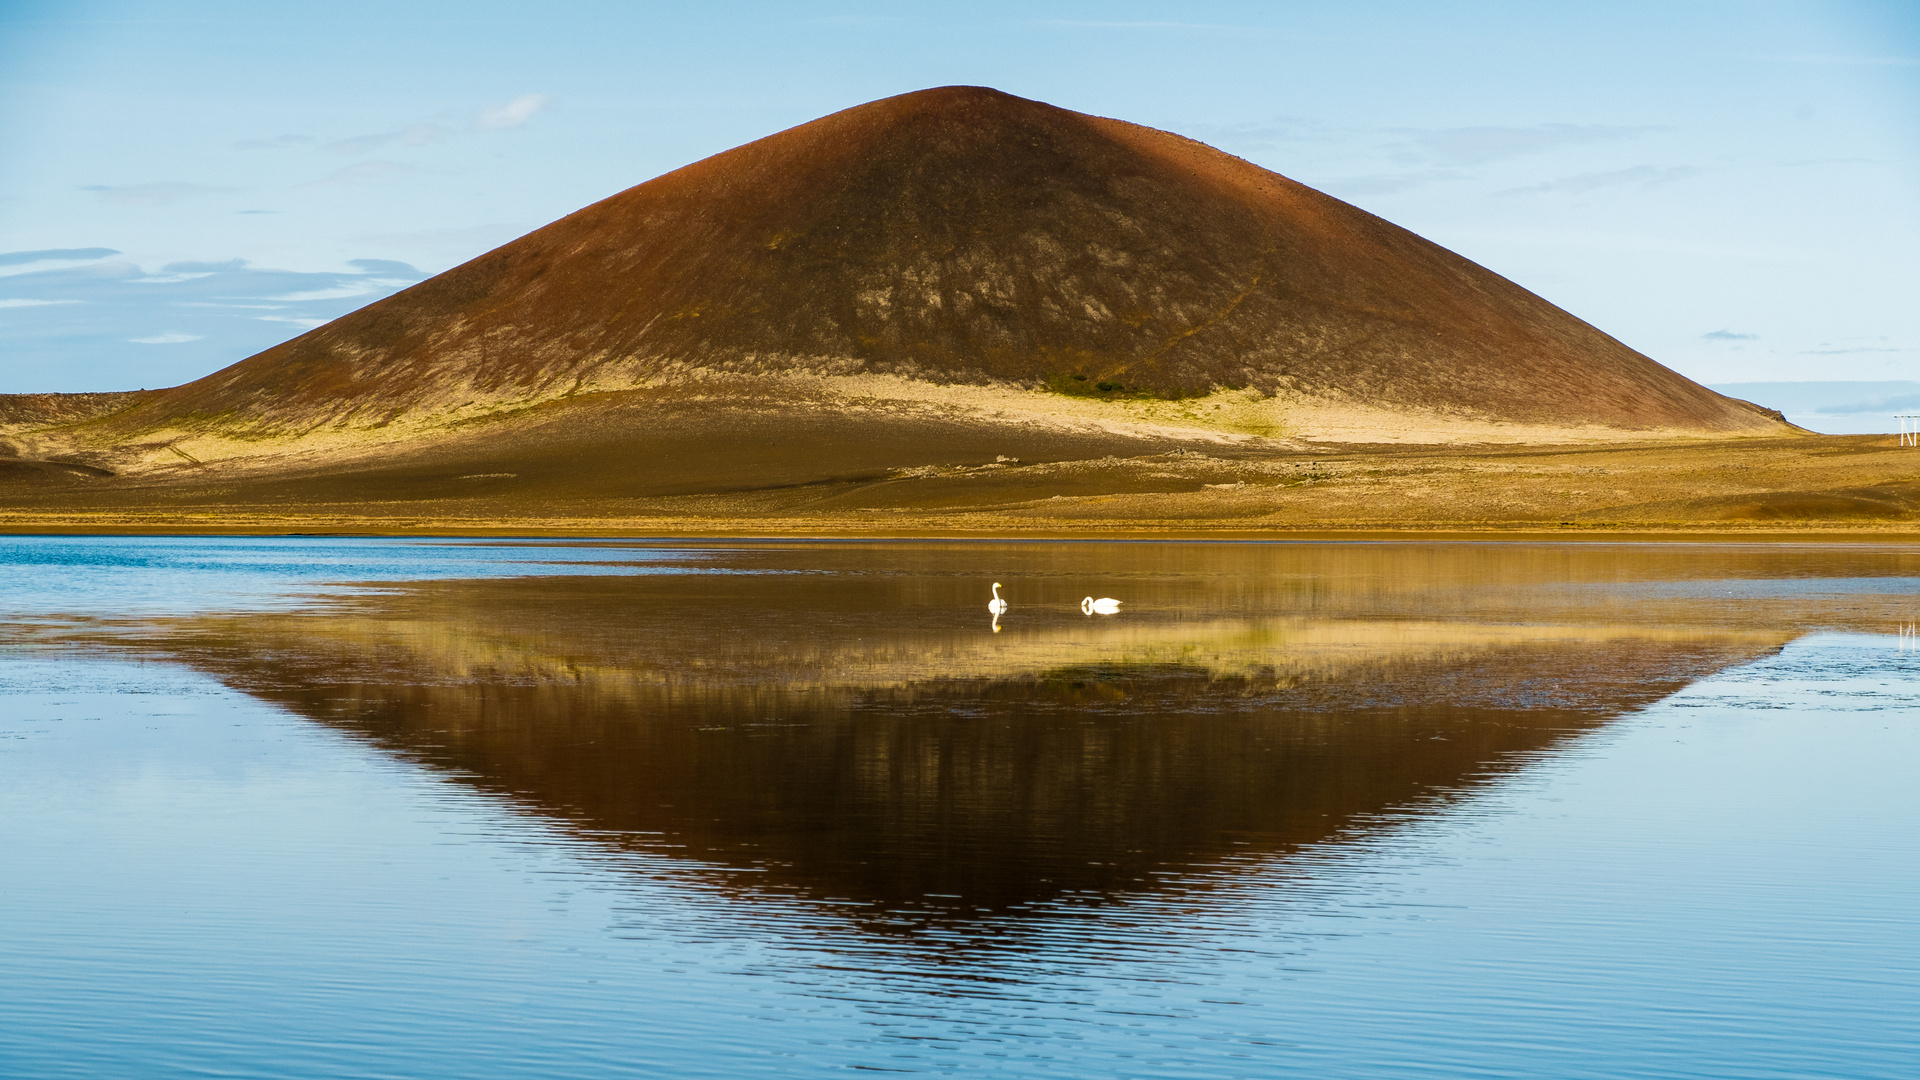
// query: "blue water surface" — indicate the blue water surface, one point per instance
point(174, 575)
point(198, 883)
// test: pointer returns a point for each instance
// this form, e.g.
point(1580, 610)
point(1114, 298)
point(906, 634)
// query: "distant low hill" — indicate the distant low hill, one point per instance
point(1836, 407)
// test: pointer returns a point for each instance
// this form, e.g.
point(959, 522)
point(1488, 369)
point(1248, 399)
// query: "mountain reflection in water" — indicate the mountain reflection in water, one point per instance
point(857, 734)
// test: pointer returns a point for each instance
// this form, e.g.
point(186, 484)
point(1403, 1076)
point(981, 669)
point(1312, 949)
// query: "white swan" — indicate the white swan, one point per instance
point(1106, 605)
point(996, 605)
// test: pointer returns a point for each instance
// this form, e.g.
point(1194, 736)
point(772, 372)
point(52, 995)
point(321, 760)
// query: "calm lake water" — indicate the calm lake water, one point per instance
point(303, 808)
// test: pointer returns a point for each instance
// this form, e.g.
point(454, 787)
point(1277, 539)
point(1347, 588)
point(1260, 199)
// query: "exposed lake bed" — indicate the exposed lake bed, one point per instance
point(283, 807)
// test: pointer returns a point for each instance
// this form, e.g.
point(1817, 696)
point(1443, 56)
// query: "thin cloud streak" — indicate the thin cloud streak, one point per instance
point(17, 258)
point(1847, 61)
point(505, 116)
point(411, 135)
point(514, 113)
point(278, 142)
point(198, 316)
point(1486, 144)
point(358, 173)
point(1392, 183)
point(162, 193)
point(1645, 176)
point(1092, 24)
point(1265, 134)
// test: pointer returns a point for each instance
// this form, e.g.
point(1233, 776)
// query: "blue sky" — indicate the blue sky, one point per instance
point(1731, 187)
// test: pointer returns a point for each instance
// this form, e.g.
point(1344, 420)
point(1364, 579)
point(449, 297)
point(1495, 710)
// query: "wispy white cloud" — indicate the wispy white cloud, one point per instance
point(1266, 134)
point(514, 113)
point(197, 316)
point(1848, 61)
point(510, 114)
point(411, 135)
point(1482, 145)
point(278, 142)
point(359, 172)
point(1141, 24)
point(1728, 335)
point(162, 193)
point(338, 292)
point(16, 258)
point(189, 271)
point(1646, 176)
point(390, 267)
point(172, 279)
point(456, 244)
point(221, 267)
point(19, 303)
point(372, 276)
point(1392, 183)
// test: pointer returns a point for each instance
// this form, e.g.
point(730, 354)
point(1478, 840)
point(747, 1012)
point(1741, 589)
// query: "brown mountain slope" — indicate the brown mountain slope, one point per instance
point(965, 235)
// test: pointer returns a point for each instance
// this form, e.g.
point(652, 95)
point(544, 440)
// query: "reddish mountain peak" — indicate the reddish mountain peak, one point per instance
point(962, 233)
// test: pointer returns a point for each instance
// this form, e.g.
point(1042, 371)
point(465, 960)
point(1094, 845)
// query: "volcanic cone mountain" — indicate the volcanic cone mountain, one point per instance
point(954, 305)
point(965, 235)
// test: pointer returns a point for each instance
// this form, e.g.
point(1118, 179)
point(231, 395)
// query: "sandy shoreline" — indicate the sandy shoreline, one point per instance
point(681, 532)
point(879, 456)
